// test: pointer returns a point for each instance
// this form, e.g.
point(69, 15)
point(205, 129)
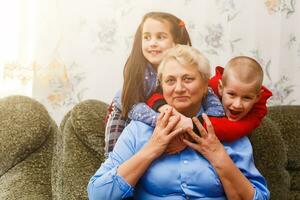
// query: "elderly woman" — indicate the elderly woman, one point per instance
point(206, 170)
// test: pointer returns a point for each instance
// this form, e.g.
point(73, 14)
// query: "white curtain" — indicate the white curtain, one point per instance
point(61, 52)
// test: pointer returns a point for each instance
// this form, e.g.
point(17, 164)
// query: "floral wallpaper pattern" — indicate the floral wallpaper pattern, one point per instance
point(81, 46)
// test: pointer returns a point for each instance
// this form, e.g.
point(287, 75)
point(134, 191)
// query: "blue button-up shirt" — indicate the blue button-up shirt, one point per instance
point(186, 175)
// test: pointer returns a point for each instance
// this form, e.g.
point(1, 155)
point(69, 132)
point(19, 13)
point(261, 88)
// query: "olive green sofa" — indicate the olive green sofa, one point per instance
point(27, 138)
point(40, 161)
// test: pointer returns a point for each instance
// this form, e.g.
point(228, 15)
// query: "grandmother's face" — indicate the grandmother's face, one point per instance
point(183, 87)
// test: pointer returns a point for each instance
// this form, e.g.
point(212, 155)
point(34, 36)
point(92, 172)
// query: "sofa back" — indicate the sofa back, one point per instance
point(271, 145)
point(80, 149)
point(287, 119)
point(38, 161)
point(26, 147)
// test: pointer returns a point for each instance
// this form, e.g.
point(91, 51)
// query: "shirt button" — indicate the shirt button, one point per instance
point(185, 162)
point(184, 185)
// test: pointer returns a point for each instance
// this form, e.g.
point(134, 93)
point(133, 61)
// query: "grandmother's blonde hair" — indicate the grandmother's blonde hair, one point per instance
point(186, 55)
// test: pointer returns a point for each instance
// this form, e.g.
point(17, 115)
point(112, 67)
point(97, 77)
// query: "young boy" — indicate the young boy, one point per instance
point(244, 98)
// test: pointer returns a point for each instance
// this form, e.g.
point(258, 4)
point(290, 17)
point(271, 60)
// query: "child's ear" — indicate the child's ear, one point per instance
point(259, 95)
point(220, 87)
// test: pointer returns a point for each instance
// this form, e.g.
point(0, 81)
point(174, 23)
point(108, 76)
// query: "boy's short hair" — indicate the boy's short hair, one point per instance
point(244, 69)
point(186, 55)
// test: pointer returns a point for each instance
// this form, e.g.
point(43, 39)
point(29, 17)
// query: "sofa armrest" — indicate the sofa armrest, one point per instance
point(270, 155)
point(24, 126)
point(26, 149)
point(87, 119)
point(287, 119)
point(80, 149)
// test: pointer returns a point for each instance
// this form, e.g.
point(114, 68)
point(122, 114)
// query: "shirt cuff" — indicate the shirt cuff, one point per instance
point(258, 195)
point(123, 185)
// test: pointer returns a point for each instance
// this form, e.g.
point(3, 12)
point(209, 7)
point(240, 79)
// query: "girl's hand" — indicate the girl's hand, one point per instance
point(164, 108)
point(164, 132)
point(207, 144)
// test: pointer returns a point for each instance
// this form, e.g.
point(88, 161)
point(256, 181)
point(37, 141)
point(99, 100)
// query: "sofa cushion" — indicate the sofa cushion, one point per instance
point(24, 126)
point(87, 119)
point(270, 157)
point(79, 149)
point(288, 120)
point(26, 148)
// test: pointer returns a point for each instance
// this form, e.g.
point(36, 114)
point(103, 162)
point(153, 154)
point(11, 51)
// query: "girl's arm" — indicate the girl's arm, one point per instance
point(115, 122)
point(142, 112)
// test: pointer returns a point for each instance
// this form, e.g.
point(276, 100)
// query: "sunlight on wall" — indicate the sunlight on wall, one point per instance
point(18, 35)
point(9, 28)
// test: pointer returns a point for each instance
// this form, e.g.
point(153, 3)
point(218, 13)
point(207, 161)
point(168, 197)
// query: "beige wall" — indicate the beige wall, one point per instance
point(81, 46)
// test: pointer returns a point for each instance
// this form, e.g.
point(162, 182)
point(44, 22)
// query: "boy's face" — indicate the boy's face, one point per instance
point(238, 98)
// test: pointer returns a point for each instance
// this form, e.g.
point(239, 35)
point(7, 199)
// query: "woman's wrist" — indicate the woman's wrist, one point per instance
point(221, 159)
point(151, 152)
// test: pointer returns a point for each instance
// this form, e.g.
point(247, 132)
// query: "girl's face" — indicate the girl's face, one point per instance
point(156, 39)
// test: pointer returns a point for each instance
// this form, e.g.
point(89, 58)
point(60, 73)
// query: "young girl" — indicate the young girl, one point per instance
point(157, 32)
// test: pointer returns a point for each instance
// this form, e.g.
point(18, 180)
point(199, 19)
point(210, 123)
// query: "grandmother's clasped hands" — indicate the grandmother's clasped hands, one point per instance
point(164, 131)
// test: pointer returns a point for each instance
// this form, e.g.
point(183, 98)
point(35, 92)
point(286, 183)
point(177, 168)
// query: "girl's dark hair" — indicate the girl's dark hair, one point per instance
point(134, 70)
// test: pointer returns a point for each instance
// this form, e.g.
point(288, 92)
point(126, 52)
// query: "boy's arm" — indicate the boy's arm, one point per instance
point(228, 130)
point(214, 81)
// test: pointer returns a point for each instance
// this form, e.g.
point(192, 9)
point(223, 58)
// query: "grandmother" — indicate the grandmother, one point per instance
point(209, 170)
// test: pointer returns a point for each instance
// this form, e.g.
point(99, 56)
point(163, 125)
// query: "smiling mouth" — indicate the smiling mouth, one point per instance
point(154, 53)
point(183, 98)
point(234, 114)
